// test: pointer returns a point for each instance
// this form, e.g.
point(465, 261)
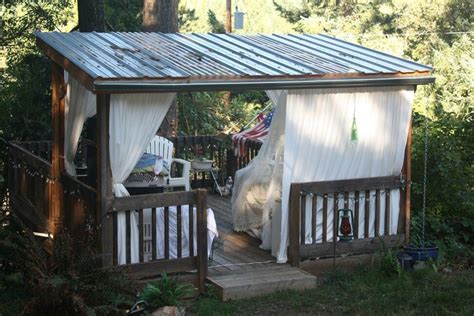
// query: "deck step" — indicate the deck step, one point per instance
point(260, 281)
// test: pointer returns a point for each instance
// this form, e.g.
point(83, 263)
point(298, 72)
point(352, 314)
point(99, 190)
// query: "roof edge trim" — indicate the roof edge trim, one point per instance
point(130, 86)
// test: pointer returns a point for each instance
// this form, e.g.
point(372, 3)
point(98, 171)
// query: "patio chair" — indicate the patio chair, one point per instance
point(163, 147)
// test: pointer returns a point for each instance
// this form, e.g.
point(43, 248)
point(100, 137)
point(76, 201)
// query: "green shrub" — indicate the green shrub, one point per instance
point(68, 282)
point(166, 292)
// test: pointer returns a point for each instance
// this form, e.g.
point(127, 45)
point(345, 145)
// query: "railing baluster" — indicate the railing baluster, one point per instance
point(387, 213)
point(140, 235)
point(303, 219)
point(367, 214)
point(167, 232)
point(377, 213)
point(346, 199)
point(128, 242)
point(356, 215)
point(335, 215)
point(325, 217)
point(178, 235)
point(191, 230)
point(153, 233)
point(314, 214)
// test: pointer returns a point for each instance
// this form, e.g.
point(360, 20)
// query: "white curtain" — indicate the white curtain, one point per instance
point(134, 120)
point(318, 144)
point(257, 187)
point(79, 105)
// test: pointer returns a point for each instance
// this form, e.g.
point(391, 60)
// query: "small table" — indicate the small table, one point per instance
point(213, 175)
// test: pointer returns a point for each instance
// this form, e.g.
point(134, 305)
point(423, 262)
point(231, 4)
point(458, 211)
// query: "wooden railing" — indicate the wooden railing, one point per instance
point(197, 259)
point(30, 181)
point(219, 151)
point(215, 148)
point(369, 190)
point(79, 202)
point(250, 151)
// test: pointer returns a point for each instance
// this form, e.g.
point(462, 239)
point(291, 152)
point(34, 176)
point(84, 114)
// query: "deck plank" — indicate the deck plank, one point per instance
point(240, 268)
point(250, 283)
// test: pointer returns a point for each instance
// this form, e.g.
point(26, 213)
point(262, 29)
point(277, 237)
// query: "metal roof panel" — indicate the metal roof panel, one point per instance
point(224, 58)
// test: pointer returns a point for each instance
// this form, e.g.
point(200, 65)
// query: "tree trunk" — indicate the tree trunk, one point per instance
point(91, 15)
point(162, 16)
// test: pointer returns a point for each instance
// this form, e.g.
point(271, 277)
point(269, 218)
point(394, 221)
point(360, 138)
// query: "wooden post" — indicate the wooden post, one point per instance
point(294, 224)
point(407, 172)
point(201, 215)
point(104, 180)
point(57, 155)
point(228, 16)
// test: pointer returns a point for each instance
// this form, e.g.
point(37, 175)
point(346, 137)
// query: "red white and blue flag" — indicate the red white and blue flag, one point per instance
point(259, 132)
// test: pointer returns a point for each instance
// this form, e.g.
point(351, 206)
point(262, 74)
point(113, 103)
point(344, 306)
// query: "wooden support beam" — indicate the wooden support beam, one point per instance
point(294, 225)
point(228, 16)
point(202, 259)
point(407, 172)
point(104, 181)
point(57, 159)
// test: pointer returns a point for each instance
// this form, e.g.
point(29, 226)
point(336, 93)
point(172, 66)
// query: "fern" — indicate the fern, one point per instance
point(166, 292)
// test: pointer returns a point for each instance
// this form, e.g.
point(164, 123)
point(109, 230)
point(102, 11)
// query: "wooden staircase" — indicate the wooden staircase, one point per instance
point(260, 281)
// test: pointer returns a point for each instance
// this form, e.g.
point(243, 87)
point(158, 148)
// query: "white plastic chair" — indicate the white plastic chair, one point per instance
point(163, 147)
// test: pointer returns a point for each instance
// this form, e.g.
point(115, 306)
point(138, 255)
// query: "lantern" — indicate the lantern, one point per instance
point(238, 19)
point(345, 223)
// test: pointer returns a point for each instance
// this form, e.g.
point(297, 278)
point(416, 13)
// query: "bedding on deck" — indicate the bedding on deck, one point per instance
point(173, 230)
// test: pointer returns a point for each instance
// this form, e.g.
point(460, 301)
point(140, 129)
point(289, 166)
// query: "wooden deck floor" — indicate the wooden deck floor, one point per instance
point(240, 269)
point(234, 251)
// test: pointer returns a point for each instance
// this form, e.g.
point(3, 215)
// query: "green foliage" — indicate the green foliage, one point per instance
point(20, 18)
point(25, 74)
point(209, 113)
point(216, 25)
point(421, 31)
point(387, 260)
point(365, 291)
point(166, 292)
point(123, 15)
point(70, 282)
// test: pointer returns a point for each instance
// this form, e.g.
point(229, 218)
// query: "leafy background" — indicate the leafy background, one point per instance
point(438, 33)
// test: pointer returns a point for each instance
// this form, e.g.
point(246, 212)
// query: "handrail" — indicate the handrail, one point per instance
point(153, 200)
point(335, 190)
point(38, 163)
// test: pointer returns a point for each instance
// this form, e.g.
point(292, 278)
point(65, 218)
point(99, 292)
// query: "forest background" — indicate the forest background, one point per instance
point(436, 32)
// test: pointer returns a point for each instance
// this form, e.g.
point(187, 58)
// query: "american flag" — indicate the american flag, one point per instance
point(259, 132)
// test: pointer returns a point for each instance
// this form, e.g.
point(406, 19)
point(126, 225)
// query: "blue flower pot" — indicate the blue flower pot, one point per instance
point(421, 253)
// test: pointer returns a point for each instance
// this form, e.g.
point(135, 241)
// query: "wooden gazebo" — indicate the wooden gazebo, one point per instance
point(130, 63)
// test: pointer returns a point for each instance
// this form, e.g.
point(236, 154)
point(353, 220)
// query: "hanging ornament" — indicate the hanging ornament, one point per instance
point(354, 127)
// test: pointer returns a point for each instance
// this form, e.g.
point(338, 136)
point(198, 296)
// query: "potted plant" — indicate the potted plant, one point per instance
point(201, 163)
point(164, 297)
point(422, 252)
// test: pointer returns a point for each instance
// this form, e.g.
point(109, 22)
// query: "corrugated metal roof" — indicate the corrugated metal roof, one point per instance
point(219, 58)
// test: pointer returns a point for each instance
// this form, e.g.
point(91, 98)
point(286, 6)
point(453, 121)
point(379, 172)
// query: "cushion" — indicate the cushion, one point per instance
point(150, 163)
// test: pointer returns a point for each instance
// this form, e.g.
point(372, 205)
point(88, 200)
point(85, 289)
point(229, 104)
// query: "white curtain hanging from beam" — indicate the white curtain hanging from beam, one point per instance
point(318, 144)
point(134, 120)
point(79, 105)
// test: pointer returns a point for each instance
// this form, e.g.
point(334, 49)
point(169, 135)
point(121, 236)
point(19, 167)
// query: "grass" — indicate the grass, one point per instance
point(369, 291)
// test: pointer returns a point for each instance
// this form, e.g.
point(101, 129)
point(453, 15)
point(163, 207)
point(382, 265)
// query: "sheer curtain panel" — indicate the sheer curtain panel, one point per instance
point(134, 120)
